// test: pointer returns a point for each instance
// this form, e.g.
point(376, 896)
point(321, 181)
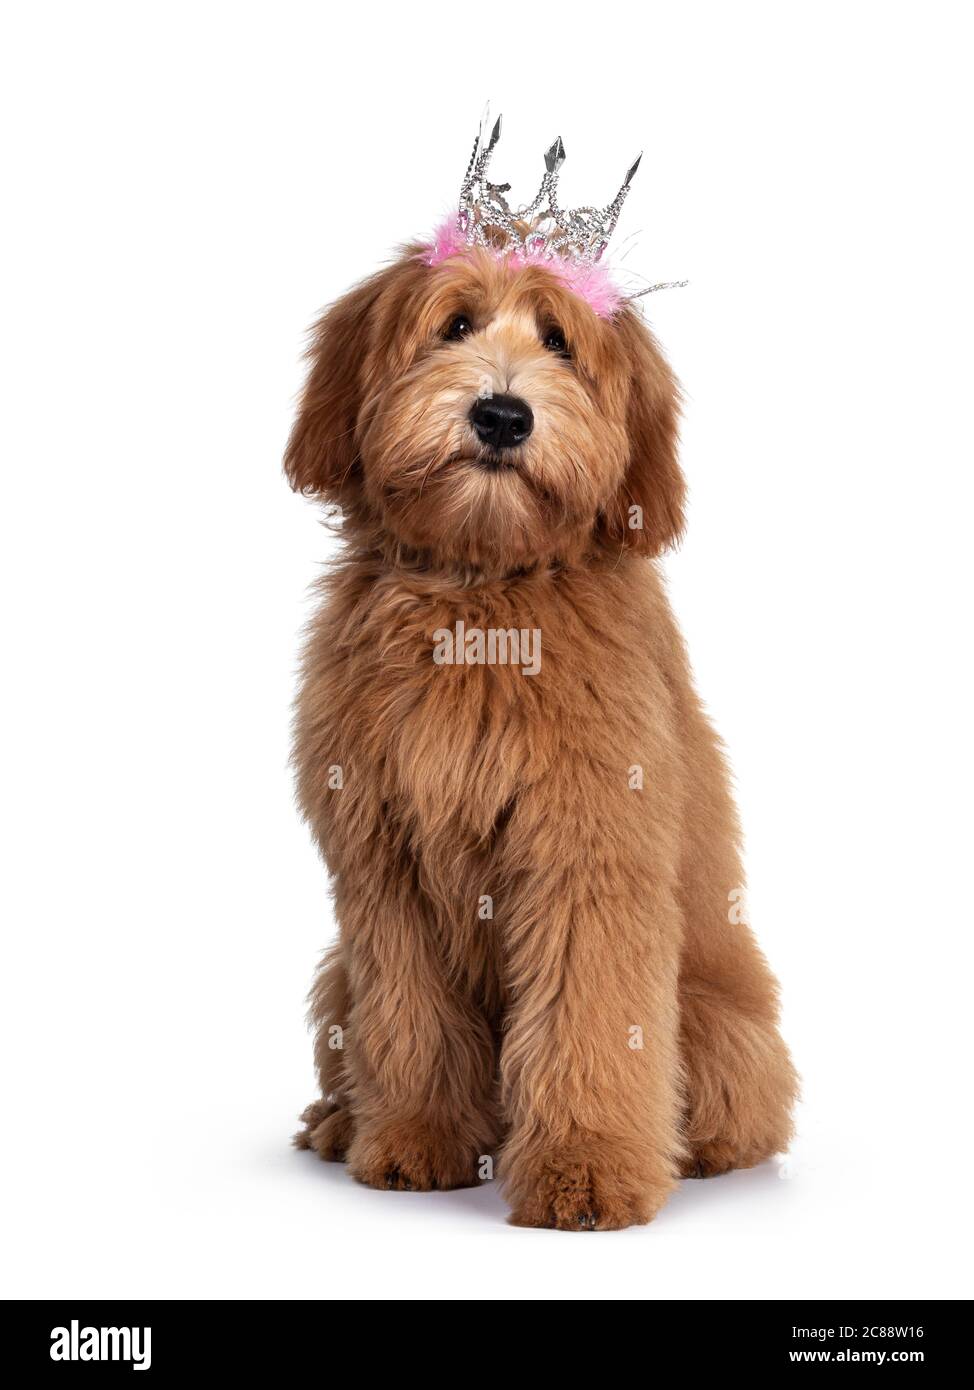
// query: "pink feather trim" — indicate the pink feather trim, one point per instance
point(593, 283)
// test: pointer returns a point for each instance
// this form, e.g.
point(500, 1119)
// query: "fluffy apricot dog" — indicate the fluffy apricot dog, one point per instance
point(501, 755)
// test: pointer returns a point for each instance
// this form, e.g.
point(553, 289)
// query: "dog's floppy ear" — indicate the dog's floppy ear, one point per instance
point(322, 452)
point(647, 511)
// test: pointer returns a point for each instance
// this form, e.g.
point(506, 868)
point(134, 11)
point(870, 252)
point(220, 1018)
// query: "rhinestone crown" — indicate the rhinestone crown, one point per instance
point(542, 228)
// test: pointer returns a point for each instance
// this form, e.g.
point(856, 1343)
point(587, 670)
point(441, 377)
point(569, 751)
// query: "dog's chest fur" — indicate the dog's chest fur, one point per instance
point(431, 756)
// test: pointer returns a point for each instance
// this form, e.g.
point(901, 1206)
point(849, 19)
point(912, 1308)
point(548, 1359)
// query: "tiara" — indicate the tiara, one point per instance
point(570, 242)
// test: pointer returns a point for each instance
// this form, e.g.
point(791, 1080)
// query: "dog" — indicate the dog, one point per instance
point(542, 961)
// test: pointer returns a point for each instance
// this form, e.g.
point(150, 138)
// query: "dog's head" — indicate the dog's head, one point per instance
point(482, 413)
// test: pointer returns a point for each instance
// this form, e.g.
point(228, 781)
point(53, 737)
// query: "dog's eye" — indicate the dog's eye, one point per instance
point(458, 328)
point(554, 341)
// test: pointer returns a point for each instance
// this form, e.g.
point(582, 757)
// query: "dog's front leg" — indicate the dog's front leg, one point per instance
point(590, 1067)
point(420, 1060)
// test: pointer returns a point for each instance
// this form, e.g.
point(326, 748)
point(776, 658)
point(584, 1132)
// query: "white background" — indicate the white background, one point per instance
point(185, 186)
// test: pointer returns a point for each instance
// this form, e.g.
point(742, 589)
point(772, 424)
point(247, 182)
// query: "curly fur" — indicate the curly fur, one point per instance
point(516, 1036)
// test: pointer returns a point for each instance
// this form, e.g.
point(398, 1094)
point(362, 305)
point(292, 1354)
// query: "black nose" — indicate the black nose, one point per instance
point(502, 421)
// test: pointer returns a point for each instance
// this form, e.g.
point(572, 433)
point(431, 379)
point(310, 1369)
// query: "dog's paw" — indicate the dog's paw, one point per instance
point(584, 1188)
point(411, 1157)
point(328, 1130)
point(709, 1160)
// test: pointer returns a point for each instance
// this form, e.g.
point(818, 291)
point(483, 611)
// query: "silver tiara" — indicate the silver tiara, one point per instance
point(541, 228)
